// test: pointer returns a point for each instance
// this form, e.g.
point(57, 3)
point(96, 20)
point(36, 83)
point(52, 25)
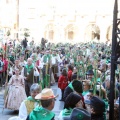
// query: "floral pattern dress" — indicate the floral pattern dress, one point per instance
point(16, 92)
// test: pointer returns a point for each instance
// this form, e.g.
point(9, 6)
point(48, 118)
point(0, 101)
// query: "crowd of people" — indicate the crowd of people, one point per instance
point(82, 72)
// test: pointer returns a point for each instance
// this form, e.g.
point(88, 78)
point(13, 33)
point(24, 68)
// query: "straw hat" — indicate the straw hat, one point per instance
point(46, 94)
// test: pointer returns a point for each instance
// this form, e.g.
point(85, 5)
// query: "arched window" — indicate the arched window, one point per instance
point(92, 32)
point(49, 32)
point(70, 31)
point(70, 35)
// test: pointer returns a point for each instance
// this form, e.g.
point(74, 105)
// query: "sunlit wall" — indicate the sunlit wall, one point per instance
point(61, 20)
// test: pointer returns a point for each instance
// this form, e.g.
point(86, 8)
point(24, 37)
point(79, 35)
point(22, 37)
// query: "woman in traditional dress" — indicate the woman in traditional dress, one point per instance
point(17, 65)
point(14, 67)
point(16, 91)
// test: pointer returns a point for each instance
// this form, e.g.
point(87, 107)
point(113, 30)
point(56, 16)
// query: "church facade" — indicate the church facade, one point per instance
point(65, 21)
point(74, 22)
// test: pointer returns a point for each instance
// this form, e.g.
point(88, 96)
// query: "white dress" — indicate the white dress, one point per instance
point(16, 93)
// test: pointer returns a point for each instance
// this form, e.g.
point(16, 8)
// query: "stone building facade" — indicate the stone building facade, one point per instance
point(66, 20)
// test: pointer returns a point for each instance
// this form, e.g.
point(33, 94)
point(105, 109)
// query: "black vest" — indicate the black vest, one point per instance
point(30, 77)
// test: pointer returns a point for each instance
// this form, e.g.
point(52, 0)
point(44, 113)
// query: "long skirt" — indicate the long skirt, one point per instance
point(15, 96)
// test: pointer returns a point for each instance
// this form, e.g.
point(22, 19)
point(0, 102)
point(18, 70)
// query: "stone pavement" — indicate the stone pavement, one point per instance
point(6, 114)
point(58, 104)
